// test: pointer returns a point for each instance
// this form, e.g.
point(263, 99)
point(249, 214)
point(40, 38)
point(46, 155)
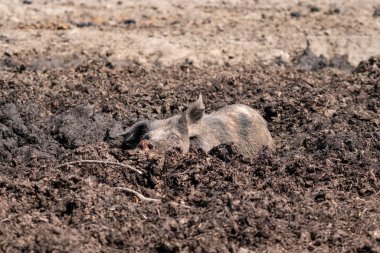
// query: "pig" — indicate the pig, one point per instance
point(237, 123)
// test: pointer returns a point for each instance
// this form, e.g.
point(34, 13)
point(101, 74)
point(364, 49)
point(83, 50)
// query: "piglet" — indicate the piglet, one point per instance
point(237, 123)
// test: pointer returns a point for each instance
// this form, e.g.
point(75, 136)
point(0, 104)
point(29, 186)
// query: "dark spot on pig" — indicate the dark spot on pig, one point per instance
point(245, 124)
point(195, 142)
point(221, 129)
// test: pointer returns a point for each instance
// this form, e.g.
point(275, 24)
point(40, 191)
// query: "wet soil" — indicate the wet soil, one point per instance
point(319, 191)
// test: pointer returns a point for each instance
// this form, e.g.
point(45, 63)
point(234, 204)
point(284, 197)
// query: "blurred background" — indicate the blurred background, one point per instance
point(44, 34)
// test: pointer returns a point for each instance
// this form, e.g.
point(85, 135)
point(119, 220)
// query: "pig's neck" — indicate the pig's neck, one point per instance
point(209, 133)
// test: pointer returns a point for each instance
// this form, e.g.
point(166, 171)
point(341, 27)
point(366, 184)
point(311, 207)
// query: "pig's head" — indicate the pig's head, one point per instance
point(160, 135)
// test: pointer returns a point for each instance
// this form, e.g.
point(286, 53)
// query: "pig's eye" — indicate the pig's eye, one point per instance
point(146, 137)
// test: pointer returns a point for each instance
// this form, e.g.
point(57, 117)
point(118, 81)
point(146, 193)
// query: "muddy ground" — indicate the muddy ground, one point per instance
point(319, 191)
point(64, 95)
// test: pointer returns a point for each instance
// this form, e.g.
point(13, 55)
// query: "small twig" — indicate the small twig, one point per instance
point(373, 176)
point(100, 162)
point(143, 198)
point(327, 104)
point(361, 213)
point(4, 220)
point(139, 195)
point(181, 173)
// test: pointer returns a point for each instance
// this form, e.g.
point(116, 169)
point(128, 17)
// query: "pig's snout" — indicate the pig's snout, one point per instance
point(145, 145)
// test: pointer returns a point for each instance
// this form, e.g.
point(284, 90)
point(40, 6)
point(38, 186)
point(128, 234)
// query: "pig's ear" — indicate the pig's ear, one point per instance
point(195, 112)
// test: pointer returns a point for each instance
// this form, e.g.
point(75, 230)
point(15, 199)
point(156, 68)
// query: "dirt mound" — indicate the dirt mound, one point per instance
point(307, 60)
point(319, 191)
point(371, 67)
point(21, 141)
point(80, 126)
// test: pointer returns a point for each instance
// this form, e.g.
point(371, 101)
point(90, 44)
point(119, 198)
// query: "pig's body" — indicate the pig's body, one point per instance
point(239, 124)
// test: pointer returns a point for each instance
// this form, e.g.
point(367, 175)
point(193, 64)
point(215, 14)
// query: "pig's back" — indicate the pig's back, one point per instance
point(242, 125)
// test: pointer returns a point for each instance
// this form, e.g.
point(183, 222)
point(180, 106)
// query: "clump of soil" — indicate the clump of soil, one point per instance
point(319, 191)
point(80, 125)
point(371, 67)
point(307, 60)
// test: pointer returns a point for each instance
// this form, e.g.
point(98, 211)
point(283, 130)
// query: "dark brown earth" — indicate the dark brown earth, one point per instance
point(319, 191)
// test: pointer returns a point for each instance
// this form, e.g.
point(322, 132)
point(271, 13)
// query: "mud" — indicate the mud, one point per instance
point(319, 191)
point(74, 74)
